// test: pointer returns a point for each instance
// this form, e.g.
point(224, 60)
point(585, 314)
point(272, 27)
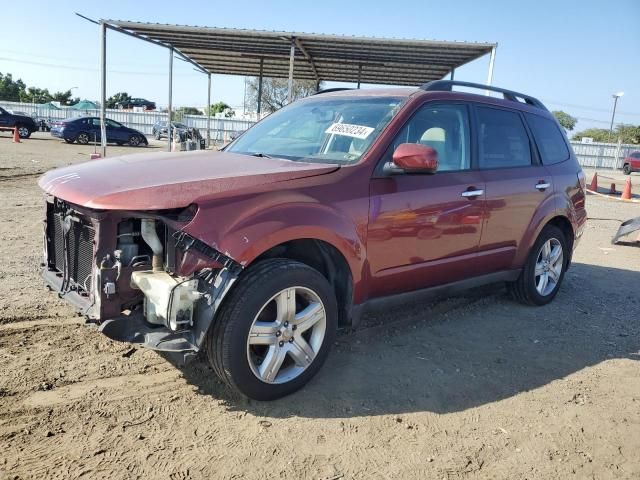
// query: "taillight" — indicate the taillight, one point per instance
point(582, 179)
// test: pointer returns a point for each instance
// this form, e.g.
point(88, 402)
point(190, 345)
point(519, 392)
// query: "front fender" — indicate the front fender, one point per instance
point(245, 228)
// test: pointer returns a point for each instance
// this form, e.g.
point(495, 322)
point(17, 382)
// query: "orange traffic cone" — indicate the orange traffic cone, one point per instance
point(16, 135)
point(626, 193)
point(594, 183)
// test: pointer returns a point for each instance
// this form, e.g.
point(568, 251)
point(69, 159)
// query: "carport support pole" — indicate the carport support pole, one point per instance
point(292, 56)
point(259, 109)
point(359, 75)
point(103, 88)
point(208, 110)
point(169, 136)
point(492, 60)
point(453, 72)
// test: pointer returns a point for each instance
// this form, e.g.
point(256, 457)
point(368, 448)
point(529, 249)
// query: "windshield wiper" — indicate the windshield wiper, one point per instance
point(261, 155)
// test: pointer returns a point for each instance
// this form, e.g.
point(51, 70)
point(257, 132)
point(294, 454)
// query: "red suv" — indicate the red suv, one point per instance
point(631, 163)
point(335, 204)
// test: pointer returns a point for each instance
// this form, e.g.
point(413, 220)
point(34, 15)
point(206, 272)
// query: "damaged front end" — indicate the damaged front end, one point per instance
point(138, 275)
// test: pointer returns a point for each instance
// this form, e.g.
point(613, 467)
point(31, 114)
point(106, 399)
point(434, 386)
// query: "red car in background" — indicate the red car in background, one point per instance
point(631, 163)
point(337, 203)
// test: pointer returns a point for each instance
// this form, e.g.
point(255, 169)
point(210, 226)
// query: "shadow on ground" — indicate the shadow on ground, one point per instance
point(473, 350)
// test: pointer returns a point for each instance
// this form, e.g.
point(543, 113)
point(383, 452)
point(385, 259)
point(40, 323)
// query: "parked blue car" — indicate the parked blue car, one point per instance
point(87, 129)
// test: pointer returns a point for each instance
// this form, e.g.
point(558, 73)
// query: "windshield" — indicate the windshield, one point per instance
point(329, 129)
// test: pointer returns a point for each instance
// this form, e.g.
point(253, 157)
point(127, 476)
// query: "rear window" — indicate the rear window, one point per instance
point(503, 140)
point(549, 139)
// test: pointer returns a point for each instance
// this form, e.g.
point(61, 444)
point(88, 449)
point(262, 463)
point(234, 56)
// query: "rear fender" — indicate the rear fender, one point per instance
point(546, 211)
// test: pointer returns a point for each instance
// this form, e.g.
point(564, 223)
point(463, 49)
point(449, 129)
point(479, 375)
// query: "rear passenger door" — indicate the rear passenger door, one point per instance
point(516, 183)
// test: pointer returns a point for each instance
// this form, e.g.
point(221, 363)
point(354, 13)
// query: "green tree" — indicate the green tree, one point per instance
point(275, 92)
point(65, 98)
point(118, 97)
point(10, 89)
point(221, 107)
point(36, 95)
point(190, 111)
point(567, 121)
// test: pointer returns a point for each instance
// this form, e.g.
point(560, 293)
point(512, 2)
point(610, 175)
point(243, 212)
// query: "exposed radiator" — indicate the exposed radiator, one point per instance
point(79, 247)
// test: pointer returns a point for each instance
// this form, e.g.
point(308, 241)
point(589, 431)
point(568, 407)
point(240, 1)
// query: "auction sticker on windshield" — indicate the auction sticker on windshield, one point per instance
point(348, 130)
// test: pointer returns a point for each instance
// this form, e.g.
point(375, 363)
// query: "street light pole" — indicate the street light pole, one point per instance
point(615, 96)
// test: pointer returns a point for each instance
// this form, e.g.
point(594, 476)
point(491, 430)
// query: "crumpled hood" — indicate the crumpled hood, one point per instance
point(155, 181)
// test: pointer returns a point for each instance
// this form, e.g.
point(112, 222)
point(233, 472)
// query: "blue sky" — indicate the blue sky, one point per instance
point(571, 54)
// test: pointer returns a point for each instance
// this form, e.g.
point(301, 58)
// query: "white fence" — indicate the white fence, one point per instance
point(602, 155)
point(143, 121)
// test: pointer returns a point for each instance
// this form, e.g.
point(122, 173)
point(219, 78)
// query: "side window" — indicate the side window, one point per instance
point(502, 139)
point(636, 155)
point(550, 141)
point(443, 127)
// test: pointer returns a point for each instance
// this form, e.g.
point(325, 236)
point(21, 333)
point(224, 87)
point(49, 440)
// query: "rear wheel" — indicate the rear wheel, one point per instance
point(274, 330)
point(82, 138)
point(627, 169)
point(543, 272)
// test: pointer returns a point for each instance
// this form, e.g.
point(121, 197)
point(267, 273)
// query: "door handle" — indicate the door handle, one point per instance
point(543, 186)
point(472, 193)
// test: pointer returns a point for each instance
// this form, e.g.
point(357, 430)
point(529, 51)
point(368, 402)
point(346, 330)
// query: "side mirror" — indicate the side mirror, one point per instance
point(415, 158)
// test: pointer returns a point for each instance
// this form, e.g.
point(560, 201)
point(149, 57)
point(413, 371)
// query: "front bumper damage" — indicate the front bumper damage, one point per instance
point(166, 304)
point(134, 328)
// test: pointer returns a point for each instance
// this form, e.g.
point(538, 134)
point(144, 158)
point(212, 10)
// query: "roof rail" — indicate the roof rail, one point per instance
point(447, 86)
point(329, 90)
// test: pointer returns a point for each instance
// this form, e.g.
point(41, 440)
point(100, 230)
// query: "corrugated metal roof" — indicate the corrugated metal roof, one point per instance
point(318, 56)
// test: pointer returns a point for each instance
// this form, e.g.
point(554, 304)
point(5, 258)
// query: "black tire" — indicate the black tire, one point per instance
point(69, 140)
point(83, 138)
point(23, 132)
point(626, 169)
point(524, 288)
point(135, 141)
point(226, 341)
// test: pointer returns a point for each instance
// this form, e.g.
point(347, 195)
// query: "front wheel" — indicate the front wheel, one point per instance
point(626, 169)
point(275, 329)
point(23, 132)
point(544, 269)
point(135, 141)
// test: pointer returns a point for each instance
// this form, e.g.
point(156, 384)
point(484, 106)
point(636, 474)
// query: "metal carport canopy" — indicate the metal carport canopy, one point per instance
point(319, 57)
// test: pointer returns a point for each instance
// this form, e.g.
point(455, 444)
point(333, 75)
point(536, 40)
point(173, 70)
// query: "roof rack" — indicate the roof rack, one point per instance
point(329, 90)
point(447, 86)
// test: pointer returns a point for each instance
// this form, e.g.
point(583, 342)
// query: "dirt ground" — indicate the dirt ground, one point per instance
point(464, 388)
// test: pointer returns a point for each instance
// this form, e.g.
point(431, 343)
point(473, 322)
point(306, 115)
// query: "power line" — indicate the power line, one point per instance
point(94, 70)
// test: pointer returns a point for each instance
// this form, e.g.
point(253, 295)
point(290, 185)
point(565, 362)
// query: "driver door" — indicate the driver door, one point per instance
point(424, 230)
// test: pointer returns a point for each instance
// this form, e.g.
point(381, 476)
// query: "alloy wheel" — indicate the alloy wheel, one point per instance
point(286, 335)
point(549, 266)
point(23, 132)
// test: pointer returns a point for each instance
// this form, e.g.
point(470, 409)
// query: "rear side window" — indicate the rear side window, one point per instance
point(550, 141)
point(502, 139)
